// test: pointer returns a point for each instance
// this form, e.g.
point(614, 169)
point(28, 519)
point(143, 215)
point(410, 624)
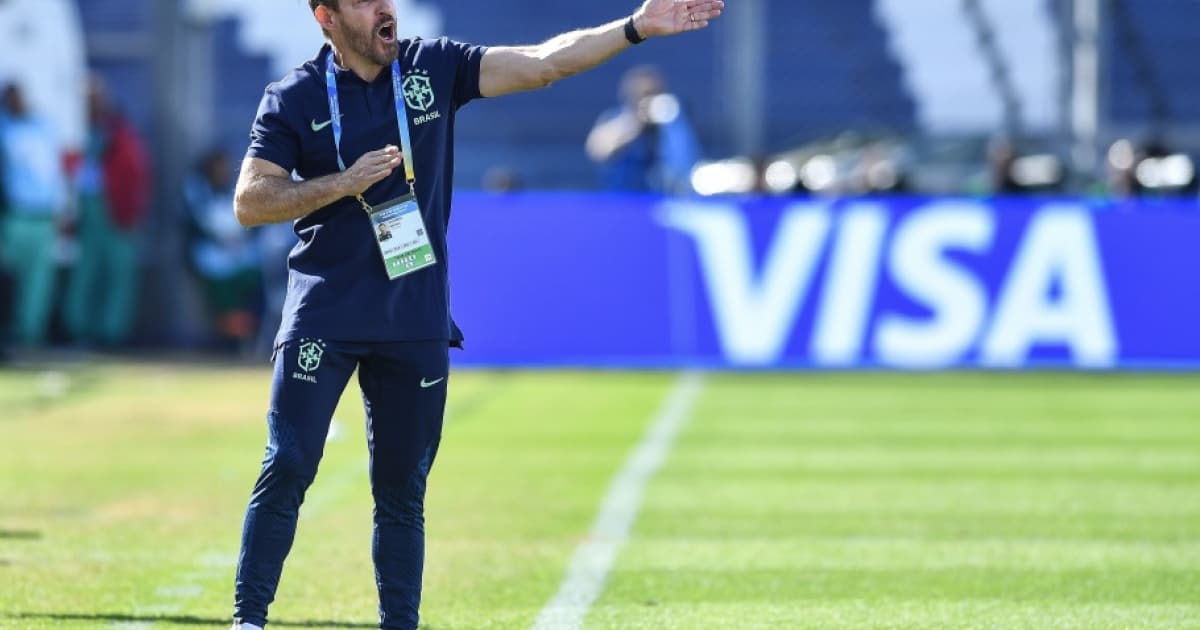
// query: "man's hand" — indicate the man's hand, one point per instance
point(370, 169)
point(670, 17)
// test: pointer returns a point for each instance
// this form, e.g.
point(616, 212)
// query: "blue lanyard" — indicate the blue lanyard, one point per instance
point(335, 111)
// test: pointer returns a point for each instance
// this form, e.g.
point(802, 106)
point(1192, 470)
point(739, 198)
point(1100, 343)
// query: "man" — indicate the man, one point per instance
point(35, 188)
point(382, 307)
point(646, 144)
point(114, 195)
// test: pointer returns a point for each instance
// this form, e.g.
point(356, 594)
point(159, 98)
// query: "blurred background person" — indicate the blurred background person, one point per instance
point(878, 171)
point(1001, 156)
point(6, 285)
point(1150, 171)
point(1162, 172)
point(1120, 181)
point(113, 184)
point(646, 144)
point(223, 255)
point(6, 306)
point(31, 160)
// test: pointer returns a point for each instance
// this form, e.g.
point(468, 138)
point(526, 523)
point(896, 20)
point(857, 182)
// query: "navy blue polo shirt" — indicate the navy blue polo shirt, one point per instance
point(338, 288)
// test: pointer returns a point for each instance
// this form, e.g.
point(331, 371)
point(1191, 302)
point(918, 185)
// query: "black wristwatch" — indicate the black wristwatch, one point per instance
point(631, 33)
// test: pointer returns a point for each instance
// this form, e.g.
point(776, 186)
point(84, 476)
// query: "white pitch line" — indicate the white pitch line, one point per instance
point(594, 558)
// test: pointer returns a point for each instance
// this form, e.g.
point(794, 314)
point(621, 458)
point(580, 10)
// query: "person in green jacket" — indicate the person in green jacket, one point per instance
point(31, 165)
point(113, 183)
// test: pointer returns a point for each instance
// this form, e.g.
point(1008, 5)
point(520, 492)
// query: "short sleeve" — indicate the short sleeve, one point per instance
point(466, 59)
point(272, 138)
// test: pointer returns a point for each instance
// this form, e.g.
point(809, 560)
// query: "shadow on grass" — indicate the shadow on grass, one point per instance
point(19, 534)
point(183, 620)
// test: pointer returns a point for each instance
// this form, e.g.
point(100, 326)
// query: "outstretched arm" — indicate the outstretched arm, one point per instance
point(508, 69)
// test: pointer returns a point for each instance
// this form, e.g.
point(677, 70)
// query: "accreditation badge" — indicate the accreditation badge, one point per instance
point(400, 233)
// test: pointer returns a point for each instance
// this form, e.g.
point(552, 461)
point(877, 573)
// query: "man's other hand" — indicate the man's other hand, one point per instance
point(370, 169)
point(670, 17)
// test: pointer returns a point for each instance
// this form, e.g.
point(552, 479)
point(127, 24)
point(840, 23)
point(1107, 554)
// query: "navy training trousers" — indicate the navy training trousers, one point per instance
point(404, 394)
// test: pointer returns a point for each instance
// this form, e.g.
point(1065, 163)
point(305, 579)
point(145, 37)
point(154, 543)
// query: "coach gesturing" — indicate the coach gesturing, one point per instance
point(359, 299)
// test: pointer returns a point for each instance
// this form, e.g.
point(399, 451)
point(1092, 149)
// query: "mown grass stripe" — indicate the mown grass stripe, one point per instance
point(883, 553)
point(589, 568)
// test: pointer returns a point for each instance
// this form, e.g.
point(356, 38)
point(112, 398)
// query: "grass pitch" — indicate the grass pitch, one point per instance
point(789, 501)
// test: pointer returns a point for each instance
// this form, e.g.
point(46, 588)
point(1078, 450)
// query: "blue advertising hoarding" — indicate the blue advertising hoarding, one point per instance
point(912, 283)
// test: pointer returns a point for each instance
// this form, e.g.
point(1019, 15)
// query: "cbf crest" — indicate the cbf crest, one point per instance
point(311, 352)
point(418, 91)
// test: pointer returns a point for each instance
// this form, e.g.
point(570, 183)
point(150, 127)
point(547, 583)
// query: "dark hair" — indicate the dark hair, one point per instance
point(332, 4)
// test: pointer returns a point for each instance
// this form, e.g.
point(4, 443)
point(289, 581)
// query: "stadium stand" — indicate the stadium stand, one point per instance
point(830, 68)
point(236, 96)
point(1145, 64)
point(111, 27)
point(116, 16)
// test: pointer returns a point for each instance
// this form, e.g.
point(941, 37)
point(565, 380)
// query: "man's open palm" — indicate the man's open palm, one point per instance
point(668, 17)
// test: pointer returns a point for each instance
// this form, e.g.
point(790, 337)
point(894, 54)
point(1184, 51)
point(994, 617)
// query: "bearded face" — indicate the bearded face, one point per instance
point(369, 30)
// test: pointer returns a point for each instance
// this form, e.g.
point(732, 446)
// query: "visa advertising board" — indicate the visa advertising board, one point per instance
point(912, 283)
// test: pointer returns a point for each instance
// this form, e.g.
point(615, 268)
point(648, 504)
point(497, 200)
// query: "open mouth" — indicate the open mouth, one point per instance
point(387, 31)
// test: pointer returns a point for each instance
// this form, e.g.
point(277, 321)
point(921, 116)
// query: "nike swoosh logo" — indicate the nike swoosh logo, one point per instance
point(427, 384)
point(316, 126)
